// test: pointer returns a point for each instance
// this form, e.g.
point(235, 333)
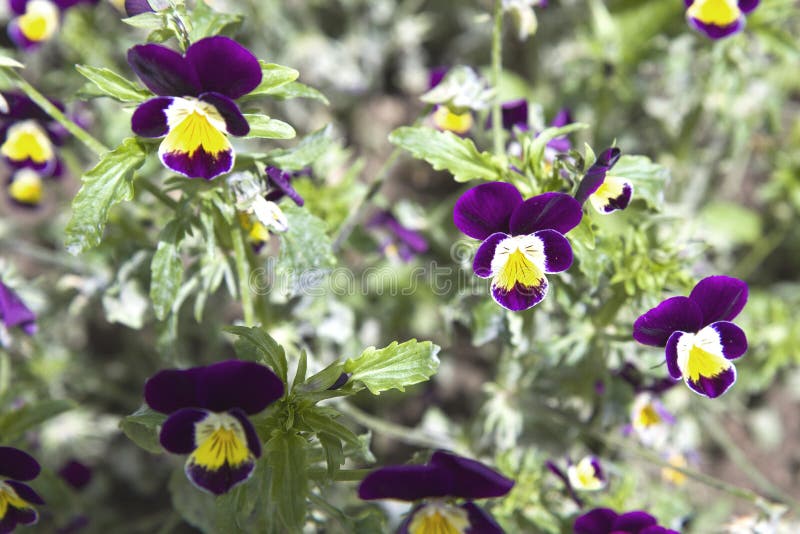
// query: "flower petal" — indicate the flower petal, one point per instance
point(25, 492)
point(597, 521)
point(480, 521)
point(719, 298)
point(137, 7)
point(471, 479)
point(549, 211)
point(633, 521)
point(671, 351)
point(746, 6)
point(253, 442)
point(17, 464)
point(596, 174)
point(714, 386)
point(557, 251)
point(613, 194)
point(177, 432)
point(196, 150)
point(515, 113)
point(14, 312)
point(150, 119)
point(76, 474)
point(702, 361)
point(716, 20)
point(163, 70)
point(221, 480)
point(486, 209)
point(520, 297)
point(282, 182)
point(224, 66)
point(677, 313)
point(235, 122)
point(562, 118)
point(406, 483)
point(732, 338)
point(482, 264)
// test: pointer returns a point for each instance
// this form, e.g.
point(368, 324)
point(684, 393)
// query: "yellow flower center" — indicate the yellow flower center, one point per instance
point(27, 140)
point(459, 123)
point(583, 476)
point(715, 12)
point(9, 498)
point(518, 260)
point(220, 440)
point(701, 355)
point(439, 518)
point(648, 416)
point(26, 187)
point(194, 124)
point(40, 20)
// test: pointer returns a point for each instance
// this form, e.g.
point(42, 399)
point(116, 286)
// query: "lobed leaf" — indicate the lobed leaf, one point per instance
point(395, 366)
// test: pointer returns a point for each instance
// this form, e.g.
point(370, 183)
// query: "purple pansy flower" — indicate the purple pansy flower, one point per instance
point(522, 240)
point(137, 7)
point(445, 119)
point(208, 409)
point(76, 474)
point(36, 21)
point(607, 521)
point(280, 185)
point(650, 420)
point(400, 242)
point(515, 115)
point(29, 136)
point(434, 486)
point(718, 18)
point(16, 498)
point(195, 106)
point(14, 312)
point(698, 334)
point(604, 191)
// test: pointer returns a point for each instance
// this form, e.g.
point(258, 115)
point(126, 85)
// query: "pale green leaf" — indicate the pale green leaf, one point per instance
point(648, 178)
point(305, 153)
point(105, 82)
point(286, 455)
point(14, 423)
point(272, 77)
point(166, 270)
point(306, 255)
point(142, 428)
point(396, 366)
point(262, 126)
point(255, 344)
point(297, 90)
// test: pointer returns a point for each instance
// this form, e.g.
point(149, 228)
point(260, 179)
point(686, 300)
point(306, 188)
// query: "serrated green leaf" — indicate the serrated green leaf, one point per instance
point(286, 455)
point(15, 422)
point(536, 151)
point(146, 21)
point(306, 253)
point(272, 77)
point(166, 270)
point(297, 90)
point(395, 366)
point(106, 82)
point(263, 127)
point(107, 184)
point(305, 153)
point(648, 178)
point(446, 151)
point(256, 345)
point(322, 380)
point(205, 22)
point(141, 427)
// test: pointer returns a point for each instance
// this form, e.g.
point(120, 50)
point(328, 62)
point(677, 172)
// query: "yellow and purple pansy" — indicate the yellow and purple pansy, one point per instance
point(398, 241)
point(699, 338)
point(16, 497)
point(650, 419)
point(444, 118)
point(36, 21)
point(607, 521)
point(280, 185)
point(195, 107)
point(718, 18)
point(522, 240)
point(435, 487)
point(605, 192)
point(14, 312)
point(208, 408)
point(29, 136)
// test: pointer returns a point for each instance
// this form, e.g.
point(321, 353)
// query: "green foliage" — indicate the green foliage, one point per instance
point(105, 82)
point(648, 179)
point(262, 126)
point(395, 366)
point(256, 345)
point(273, 77)
point(166, 269)
point(14, 423)
point(286, 453)
point(142, 428)
point(305, 153)
point(306, 255)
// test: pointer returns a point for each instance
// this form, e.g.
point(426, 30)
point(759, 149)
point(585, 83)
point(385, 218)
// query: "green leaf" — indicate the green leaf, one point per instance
point(334, 452)
point(648, 178)
point(305, 153)
point(395, 366)
point(106, 82)
point(108, 183)
point(10, 63)
point(15, 422)
point(302, 368)
point(322, 419)
point(146, 21)
point(141, 427)
point(306, 253)
point(256, 345)
point(286, 455)
point(536, 151)
point(166, 269)
point(446, 151)
point(322, 380)
point(297, 90)
point(273, 76)
point(262, 126)
point(196, 507)
point(205, 22)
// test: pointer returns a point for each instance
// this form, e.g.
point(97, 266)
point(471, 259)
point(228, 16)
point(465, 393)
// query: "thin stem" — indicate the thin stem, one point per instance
point(156, 192)
point(83, 136)
point(497, 65)
point(243, 273)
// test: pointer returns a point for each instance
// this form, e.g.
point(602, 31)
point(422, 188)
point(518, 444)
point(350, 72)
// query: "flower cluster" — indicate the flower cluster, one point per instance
point(16, 497)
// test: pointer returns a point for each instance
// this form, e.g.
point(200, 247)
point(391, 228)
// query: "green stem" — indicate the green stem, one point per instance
point(497, 65)
point(156, 192)
point(760, 251)
point(82, 135)
point(243, 273)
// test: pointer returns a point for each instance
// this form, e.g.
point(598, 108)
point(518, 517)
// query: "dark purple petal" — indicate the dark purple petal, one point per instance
point(549, 211)
point(732, 338)
point(482, 264)
point(436, 76)
point(486, 209)
point(406, 483)
point(713, 387)
point(557, 251)
point(15, 516)
point(220, 480)
point(235, 122)
point(676, 313)
point(163, 70)
point(746, 6)
point(137, 7)
point(562, 118)
point(281, 181)
point(597, 521)
point(671, 352)
point(480, 521)
point(471, 479)
point(75, 474)
point(596, 174)
point(633, 521)
point(412, 239)
point(26, 492)
point(224, 66)
point(19, 38)
point(253, 443)
point(14, 312)
point(17, 465)
point(177, 432)
point(20, 106)
point(520, 297)
point(713, 31)
point(18, 6)
point(515, 113)
point(719, 298)
point(150, 118)
point(219, 387)
point(657, 529)
point(200, 163)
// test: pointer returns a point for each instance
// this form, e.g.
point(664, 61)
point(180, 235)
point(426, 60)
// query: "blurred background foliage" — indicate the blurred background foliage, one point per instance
point(718, 120)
